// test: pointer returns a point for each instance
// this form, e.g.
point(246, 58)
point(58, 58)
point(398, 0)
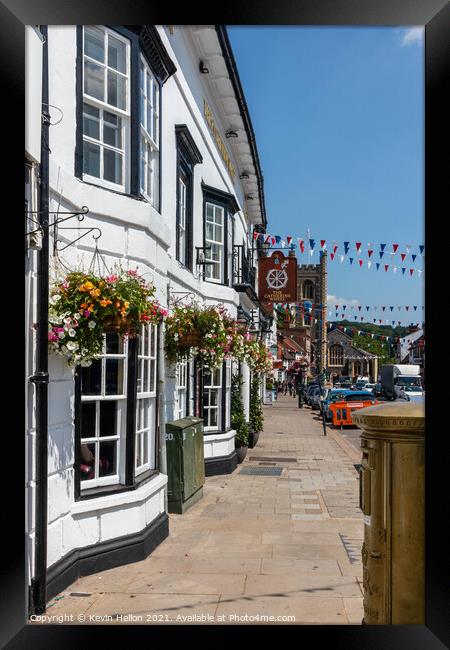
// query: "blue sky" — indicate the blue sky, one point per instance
point(338, 115)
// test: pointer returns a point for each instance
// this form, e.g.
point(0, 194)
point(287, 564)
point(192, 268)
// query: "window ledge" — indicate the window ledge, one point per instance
point(123, 498)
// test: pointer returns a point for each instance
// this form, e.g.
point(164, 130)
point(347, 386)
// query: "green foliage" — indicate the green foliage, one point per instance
point(237, 412)
point(256, 414)
point(374, 346)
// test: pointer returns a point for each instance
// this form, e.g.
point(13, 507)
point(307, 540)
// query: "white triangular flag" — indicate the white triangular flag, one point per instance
point(311, 252)
point(369, 264)
point(395, 269)
point(341, 258)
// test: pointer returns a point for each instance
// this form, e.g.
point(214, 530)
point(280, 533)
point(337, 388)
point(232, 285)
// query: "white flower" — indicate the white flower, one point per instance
point(67, 321)
point(92, 324)
point(71, 345)
point(61, 335)
point(175, 336)
point(54, 299)
point(77, 316)
point(72, 333)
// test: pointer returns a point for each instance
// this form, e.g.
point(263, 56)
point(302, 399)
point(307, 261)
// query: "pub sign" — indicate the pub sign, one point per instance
point(277, 278)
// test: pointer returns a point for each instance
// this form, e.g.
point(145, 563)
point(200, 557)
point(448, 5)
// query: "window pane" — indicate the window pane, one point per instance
point(114, 343)
point(91, 159)
point(108, 458)
point(94, 43)
point(88, 420)
point(213, 395)
point(116, 54)
point(142, 110)
point(116, 90)
point(108, 418)
point(152, 375)
point(149, 120)
point(91, 378)
point(209, 231)
point(88, 461)
point(213, 418)
point(91, 123)
point(140, 387)
point(155, 128)
point(94, 80)
point(146, 382)
point(114, 377)
point(145, 454)
point(147, 340)
point(112, 130)
point(138, 451)
point(112, 166)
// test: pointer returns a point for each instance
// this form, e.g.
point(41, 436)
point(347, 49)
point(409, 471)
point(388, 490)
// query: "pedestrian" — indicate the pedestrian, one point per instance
point(290, 387)
point(285, 387)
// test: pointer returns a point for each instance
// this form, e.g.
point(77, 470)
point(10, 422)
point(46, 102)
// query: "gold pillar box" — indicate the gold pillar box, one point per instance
point(392, 497)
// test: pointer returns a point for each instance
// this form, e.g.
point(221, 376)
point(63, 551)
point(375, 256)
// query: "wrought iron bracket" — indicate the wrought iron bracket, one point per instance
point(80, 216)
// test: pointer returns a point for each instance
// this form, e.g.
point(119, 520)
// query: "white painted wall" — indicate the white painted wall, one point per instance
point(134, 233)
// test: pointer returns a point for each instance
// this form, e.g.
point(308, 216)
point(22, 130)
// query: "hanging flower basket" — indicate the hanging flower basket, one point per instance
point(193, 339)
point(84, 306)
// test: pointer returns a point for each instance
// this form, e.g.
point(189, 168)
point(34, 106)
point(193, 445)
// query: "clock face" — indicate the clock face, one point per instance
point(276, 279)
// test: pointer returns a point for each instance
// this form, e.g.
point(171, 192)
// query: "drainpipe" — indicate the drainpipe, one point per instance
point(38, 596)
point(162, 403)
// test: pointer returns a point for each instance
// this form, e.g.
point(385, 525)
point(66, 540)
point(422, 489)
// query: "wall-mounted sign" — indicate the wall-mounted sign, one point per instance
point(277, 278)
point(215, 133)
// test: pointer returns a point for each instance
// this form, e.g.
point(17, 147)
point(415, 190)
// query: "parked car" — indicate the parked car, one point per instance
point(309, 390)
point(314, 400)
point(333, 396)
point(361, 384)
point(370, 387)
point(343, 407)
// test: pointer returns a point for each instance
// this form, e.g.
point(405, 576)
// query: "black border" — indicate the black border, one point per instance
point(308, 12)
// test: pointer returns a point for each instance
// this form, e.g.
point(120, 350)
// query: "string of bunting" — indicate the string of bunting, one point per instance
point(372, 335)
point(346, 249)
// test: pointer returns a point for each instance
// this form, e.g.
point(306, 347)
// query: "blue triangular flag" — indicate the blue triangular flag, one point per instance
point(367, 308)
point(391, 308)
point(414, 258)
point(277, 238)
point(378, 265)
point(351, 259)
point(381, 255)
point(382, 246)
point(415, 307)
point(346, 245)
point(312, 243)
point(403, 270)
point(421, 248)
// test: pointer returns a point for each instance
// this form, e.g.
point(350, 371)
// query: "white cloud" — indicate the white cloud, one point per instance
point(412, 36)
point(332, 301)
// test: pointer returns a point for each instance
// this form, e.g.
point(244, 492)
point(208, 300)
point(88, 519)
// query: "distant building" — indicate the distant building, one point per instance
point(404, 344)
point(344, 358)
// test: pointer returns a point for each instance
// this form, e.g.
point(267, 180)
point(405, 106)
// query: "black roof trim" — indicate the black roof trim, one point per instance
point(234, 77)
point(187, 141)
point(225, 197)
point(154, 49)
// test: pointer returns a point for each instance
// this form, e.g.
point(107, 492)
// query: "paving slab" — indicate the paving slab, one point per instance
point(254, 546)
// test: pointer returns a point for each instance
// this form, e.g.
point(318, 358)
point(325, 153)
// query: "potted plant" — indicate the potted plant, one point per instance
point(84, 306)
point(256, 414)
point(238, 418)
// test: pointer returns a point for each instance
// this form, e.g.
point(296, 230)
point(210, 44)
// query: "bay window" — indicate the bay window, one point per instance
point(219, 207)
point(217, 397)
point(120, 72)
point(106, 106)
point(116, 415)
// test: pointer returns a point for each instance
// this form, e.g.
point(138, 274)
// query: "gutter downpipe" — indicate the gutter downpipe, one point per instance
point(162, 405)
point(38, 596)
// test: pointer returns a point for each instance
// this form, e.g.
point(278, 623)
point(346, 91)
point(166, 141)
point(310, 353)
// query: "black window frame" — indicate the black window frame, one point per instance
point(188, 156)
point(145, 40)
point(198, 394)
point(230, 205)
point(131, 482)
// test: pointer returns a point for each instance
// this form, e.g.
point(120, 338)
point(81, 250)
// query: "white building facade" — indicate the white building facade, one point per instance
point(149, 130)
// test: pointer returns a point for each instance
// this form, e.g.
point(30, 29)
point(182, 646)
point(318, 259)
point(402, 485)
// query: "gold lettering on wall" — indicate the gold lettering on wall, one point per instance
point(218, 140)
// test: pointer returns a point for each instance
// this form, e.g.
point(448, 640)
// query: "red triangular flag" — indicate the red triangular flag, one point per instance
point(255, 235)
point(403, 255)
point(335, 249)
point(273, 241)
point(360, 262)
point(358, 245)
point(288, 239)
point(302, 245)
point(411, 271)
point(332, 256)
point(369, 253)
point(395, 246)
point(386, 266)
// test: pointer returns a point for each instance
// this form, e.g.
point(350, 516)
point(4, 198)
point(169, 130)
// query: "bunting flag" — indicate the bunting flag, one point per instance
point(403, 255)
point(358, 246)
point(383, 307)
point(386, 266)
point(403, 270)
point(369, 264)
point(381, 254)
point(360, 262)
point(335, 248)
point(411, 271)
point(394, 247)
point(382, 246)
point(332, 256)
point(378, 265)
point(415, 307)
point(359, 307)
point(351, 259)
point(312, 243)
point(323, 244)
point(346, 246)
point(255, 235)
point(367, 308)
point(342, 258)
point(277, 239)
point(267, 239)
point(369, 253)
point(413, 258)
point(288, 239)
point(421, 249)
point(302, 245)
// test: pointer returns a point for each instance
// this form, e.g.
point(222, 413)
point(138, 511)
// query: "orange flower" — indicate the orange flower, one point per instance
point(86, 286)
point(94, 293)
point(104, 303)
point(117, 303)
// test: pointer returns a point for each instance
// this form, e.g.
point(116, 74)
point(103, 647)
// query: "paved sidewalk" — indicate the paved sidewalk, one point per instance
point(277, 546)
